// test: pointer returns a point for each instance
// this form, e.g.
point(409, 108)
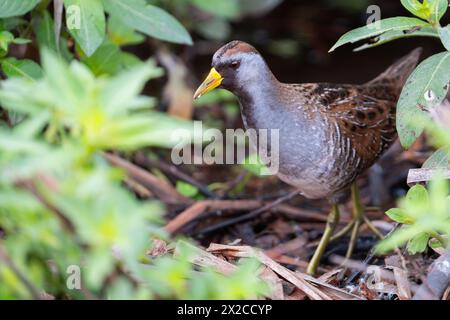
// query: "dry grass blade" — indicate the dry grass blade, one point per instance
point(332, 291)
point(245, 251)
point(202, 258)
point(403, 286)
point(274, 283)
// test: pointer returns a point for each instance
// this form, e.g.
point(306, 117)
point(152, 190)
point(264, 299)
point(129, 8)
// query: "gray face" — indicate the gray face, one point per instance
point(240, 66)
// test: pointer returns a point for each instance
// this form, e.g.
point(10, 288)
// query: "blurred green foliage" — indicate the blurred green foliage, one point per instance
point(62, 205)
point(425, 214)
point(212, 18)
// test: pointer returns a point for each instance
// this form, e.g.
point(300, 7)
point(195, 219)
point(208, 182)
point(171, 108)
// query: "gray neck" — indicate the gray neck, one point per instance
point(256, 84)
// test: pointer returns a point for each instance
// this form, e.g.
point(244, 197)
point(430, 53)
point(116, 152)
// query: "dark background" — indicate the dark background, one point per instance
point(309, 29)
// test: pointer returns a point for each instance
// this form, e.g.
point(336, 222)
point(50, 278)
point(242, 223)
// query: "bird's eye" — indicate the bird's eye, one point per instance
point(235, 64)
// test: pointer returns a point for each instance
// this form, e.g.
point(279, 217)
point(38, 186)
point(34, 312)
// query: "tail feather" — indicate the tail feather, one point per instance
point(399, 72)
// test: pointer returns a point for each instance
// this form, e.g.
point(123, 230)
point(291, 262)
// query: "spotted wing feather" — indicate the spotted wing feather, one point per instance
point(363, 114)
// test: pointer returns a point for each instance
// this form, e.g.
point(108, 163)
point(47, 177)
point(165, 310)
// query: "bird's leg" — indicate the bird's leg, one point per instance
point(358, 218)
point(332, 222)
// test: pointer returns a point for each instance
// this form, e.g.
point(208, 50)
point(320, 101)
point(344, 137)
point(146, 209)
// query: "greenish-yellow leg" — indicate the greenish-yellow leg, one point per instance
point(333, 219)
point(358, 218)
point(332, 222)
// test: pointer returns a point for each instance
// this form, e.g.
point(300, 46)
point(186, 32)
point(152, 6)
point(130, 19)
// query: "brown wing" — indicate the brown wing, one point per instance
point(364, 114)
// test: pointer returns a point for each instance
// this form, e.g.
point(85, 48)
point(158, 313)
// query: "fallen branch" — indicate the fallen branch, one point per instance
point(250, 215)
point(424, 175)
point(163, 190)
point(175, 172)
point(198, 208)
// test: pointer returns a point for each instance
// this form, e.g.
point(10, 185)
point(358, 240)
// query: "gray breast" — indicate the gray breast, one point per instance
point(307, 159)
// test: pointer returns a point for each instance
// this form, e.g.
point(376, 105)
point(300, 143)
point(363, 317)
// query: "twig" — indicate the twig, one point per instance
point(138, 188)
point(242, 177)
point(424, 175)
point(175, 172)
point(303, 265)
point(250, 215)
point(6, 259)
point(163, 190)
point(198, 208)
point(287, 210)
point(31, 187)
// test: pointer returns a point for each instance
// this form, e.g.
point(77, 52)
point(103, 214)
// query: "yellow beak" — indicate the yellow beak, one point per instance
point(212, 81)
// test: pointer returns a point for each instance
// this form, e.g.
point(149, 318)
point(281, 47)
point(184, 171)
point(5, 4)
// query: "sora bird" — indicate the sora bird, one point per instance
point(329, 133)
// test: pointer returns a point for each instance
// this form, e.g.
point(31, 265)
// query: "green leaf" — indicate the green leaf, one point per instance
point(398, 34)
point(6, 38)
point(148, 19)
point(27, 69)
point(444, 34)
point(418, 243)
point(21, 41)
point(186, 189)
point(121, 34)
point(44, 28)
point(400, 216)
point(138, 130)
point(129, 60)
point(426, 87)
point(86, 24)
point(437, 9)
point(439, 159)
point(227, 9)
point(106, 60)
point(377, 28)
point(421, 10)
point(435, 244)
point(120, 91)
point(398, 238)
point(13, 8)
point(67, 88)
point(417, 195)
